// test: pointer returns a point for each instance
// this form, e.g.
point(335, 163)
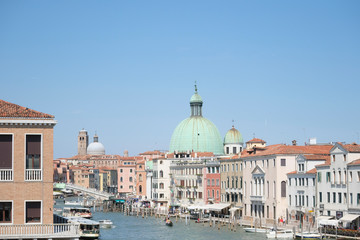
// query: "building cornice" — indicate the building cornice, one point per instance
point(25, 122)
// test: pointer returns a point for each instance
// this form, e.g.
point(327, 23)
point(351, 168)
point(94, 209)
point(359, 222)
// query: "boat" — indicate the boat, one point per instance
point(281, 234)
point(88, 228)
point(308, 236)
point(169, 223)
point(77, 212)
point(106, 223)
point(256, 230)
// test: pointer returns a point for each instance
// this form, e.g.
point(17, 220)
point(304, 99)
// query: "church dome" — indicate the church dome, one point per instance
point(196, 133)
point(233, 136)
point(96, 148)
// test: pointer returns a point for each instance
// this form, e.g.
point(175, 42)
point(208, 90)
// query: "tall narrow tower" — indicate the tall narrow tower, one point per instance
point(83, 142)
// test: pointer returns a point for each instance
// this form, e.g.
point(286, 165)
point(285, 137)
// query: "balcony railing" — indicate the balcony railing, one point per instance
point(39, 231)
point(257, 198)
point(33, 175)
point(6, 174)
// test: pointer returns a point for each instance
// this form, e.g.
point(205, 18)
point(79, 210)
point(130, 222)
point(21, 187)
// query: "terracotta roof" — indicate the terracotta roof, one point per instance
point(293, 172)
point(11, 110)
point(256, 140)
point(354, 148)
point(156, 152)
point(312, 171)
point(281, 149)
point(314, 157)
point(355, 162)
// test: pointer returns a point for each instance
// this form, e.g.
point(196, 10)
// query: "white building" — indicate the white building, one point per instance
point(161, 182)
point(338, 182)
point(265, 171)
point(302, 187)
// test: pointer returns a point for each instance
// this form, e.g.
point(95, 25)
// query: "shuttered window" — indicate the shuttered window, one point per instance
point(33, 151)
point(283, 189)
point(33, 212)
point(5, 151)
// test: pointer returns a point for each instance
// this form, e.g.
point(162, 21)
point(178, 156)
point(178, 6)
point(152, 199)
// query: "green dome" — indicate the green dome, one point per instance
point(196, 98)
point(233, 136)
point(197, 134)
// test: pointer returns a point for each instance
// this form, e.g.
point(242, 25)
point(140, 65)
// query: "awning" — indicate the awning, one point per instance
point(218, 206)
point(329, 222)
point(349, 217)
point(325, 217)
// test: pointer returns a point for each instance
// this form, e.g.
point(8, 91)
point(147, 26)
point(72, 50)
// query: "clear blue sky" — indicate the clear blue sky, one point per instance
point(282, 70)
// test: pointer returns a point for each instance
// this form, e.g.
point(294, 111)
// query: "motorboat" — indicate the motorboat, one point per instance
point(281, 234)
point(256, 230)
point(308, 236)
point(77, 212)
point(106, 223)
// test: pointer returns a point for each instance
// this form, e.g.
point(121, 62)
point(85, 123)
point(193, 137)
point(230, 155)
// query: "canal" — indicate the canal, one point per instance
point(132, 227)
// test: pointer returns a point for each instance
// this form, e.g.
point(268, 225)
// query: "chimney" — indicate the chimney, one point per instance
point(293, 142)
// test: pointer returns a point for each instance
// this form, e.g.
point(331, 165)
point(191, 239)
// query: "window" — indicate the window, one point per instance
point(320, 197)
point(334, 197)
point(328, 197)
point(161, 185)
point(289, 200)
point(307, 201)
point(274, 163)
point(283, 162)
point(121, 179)
point(200, 195)
point(161, 195)
point(351, 198)
point(33, 151)
point(234, 150)
point(5, 151)
point(121, 170)
point(33, 212)
point(161, 174)
point(130, 179)
point(227, 150)
point(140, 189)
point(283, 189)
point(5, 212)
point(339, 197)
point(130, 170)
point(140, 178)
point(358, 199)
point(358, 173)
point(319, 176)
point(217, 182)
point(350, 176)
point(208, 182)
point(328, 177)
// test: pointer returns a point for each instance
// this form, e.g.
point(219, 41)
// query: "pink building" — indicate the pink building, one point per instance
point(212, 182)
point(126, 175)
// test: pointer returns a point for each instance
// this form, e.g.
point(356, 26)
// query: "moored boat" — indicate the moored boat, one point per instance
point(77, 212)
point(256, 230)
point(308, 236)
point(283, 234)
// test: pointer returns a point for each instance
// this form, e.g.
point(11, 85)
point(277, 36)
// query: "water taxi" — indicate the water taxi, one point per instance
point(77, 212)
point(88, 228)
point(106, 223)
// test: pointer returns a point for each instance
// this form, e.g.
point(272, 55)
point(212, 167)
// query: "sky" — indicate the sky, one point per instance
point(282, 70)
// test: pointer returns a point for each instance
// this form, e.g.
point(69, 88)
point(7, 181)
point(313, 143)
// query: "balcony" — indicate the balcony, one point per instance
point(35, 231)
point(257, 199)
point(6, 174)
point(33, 175)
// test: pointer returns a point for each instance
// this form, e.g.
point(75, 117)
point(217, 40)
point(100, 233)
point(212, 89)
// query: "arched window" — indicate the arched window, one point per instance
point(283, 189)
point(140, 189)
point(161, 185)
point(161, 174)
point(130, 179)
point(213, 193)
point(140, 178)
point(121, 179)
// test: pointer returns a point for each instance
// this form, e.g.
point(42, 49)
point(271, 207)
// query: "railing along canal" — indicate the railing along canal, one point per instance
point(38, 230)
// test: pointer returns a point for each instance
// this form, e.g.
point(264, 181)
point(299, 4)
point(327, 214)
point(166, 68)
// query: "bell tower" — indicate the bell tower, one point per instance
point(83, 142)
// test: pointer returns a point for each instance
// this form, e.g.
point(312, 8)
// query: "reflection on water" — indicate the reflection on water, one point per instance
point(130, 227)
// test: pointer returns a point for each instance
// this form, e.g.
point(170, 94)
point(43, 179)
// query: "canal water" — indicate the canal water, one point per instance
point(132, 227)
